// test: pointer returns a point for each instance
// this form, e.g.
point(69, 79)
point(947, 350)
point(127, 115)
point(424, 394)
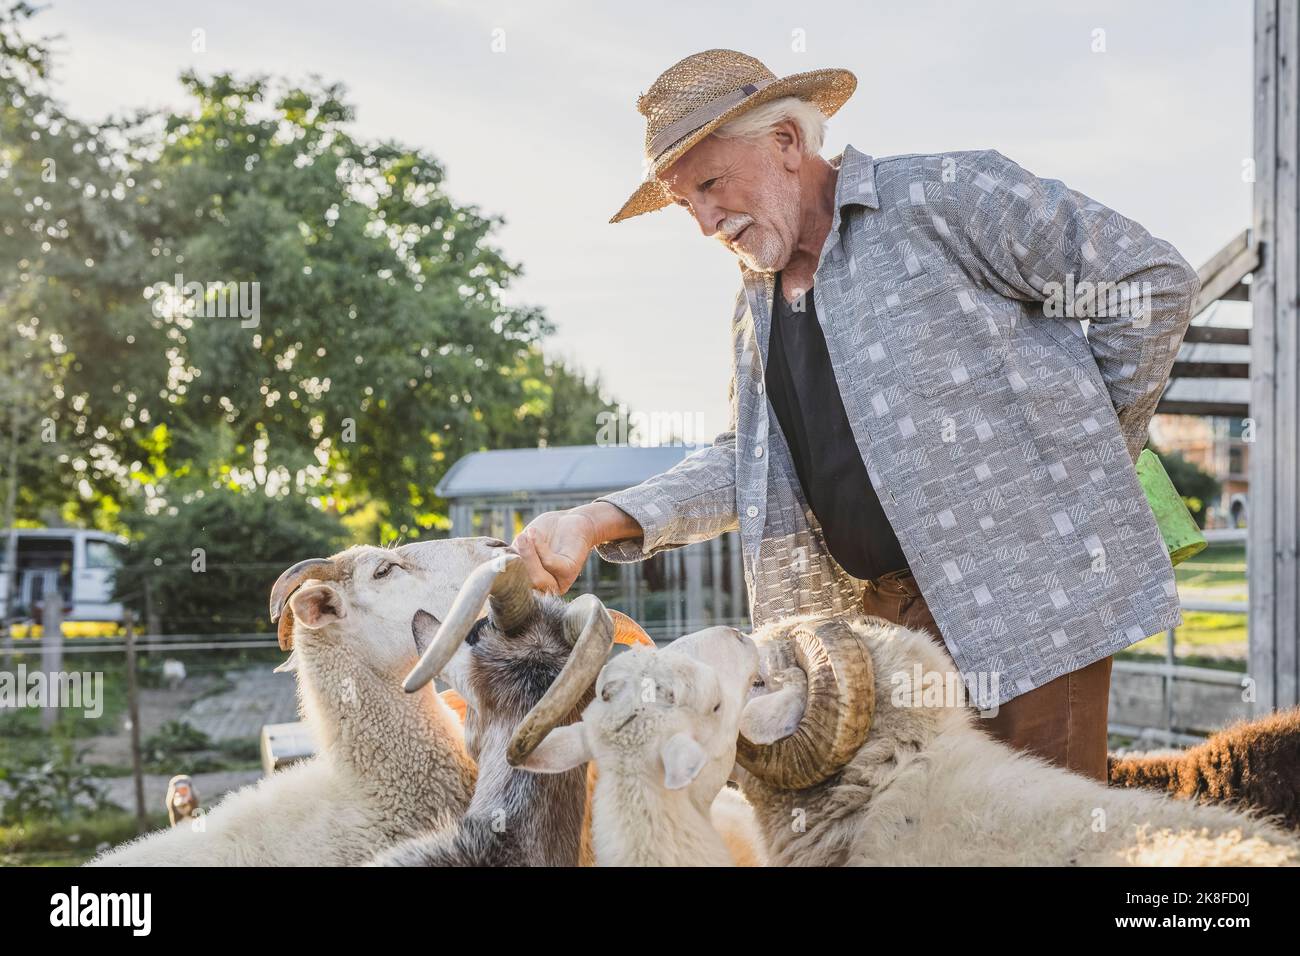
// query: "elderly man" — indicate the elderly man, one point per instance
point(921, 428)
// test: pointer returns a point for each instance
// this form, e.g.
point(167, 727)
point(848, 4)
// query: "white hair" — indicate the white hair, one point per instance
point(761, 120)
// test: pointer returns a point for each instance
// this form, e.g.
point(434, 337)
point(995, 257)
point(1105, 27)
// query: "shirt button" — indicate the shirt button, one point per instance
point(759, 387)
point(758, 451)
point(752, 511)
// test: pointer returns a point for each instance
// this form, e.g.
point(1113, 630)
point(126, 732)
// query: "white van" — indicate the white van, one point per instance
point(77, 563)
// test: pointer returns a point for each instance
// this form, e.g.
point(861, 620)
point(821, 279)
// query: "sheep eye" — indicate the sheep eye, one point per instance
point(383, 570)
point(717, 707)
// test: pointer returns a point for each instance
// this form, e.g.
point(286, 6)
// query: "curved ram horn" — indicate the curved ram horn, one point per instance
point(512, 602)
point(499, 579)
point(837, 717)
point(589, 628)
point(321, 569)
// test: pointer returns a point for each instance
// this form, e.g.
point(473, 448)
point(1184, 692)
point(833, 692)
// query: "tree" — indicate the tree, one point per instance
point(346, 338)
point(208, 567)
point(57, 177)
point(1198, 488)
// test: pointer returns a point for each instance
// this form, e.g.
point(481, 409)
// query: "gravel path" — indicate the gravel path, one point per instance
point(258, 697)
point(211, 786)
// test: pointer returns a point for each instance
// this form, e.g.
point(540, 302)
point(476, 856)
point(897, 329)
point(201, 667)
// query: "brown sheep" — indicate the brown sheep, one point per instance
point(1251, 764)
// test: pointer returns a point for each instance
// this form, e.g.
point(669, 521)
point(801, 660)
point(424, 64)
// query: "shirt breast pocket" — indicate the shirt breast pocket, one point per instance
point(939, 335)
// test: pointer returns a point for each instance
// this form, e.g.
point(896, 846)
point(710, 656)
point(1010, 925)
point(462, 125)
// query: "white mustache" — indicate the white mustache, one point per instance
point(732, 226)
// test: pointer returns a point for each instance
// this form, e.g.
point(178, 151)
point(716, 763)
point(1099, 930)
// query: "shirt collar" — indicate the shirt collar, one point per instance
point(856, 183)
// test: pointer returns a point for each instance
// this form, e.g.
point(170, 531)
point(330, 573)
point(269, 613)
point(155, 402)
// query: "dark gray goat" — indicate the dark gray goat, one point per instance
point(526, 667)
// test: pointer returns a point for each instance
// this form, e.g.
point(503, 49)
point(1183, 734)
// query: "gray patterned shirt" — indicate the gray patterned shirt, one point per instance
point(998, 434)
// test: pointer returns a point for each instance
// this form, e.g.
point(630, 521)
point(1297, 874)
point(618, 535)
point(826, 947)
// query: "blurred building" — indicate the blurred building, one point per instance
point(1204, 414)
point(496, 493)
point(1215, 445)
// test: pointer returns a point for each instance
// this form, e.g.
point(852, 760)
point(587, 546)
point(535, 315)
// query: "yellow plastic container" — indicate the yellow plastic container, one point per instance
point(1177, 526)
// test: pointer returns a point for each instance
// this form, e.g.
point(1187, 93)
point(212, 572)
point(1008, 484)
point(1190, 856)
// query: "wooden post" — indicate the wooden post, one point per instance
point(693, 571)
point(717, 606)
point(11, 532)
point(133, 712)
point(1273, 544)
point(739, 594)
point(151, 624)
point(51, 645)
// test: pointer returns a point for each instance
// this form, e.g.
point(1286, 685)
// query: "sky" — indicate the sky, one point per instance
point(530, 106)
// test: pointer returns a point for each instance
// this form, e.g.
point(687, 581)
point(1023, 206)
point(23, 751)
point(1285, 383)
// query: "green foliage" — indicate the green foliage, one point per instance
point(245, 540)
point(60, 787)
point(69, 842)
point(23, 735)
point(1198, 488)
point(381, 350)
point(175, 737)
point(178, 747)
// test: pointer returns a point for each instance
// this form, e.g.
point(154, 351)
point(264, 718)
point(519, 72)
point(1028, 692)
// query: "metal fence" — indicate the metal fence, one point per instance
point(670, 614)
point(1176, 731)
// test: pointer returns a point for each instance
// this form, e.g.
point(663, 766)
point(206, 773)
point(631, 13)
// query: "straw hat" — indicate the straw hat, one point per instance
point(694, 97)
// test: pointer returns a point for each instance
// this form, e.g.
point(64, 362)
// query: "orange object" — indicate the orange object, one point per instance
point(628, 631)
point(455, 702)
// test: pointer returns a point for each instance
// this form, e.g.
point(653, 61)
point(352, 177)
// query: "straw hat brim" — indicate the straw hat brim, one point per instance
point(828, 90)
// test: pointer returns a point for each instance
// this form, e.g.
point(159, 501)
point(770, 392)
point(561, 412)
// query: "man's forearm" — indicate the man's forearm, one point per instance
point(610, 522)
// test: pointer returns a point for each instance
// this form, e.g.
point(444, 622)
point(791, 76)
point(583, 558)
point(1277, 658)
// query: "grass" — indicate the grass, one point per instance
point(68, 843)
point(1218, 569)
point(21, 729)
point(1218, 566)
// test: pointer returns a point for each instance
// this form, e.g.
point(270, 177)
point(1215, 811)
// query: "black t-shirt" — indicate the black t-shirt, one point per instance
point(802, 389)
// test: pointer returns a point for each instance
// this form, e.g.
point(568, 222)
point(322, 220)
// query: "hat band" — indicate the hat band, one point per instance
point(699, 117)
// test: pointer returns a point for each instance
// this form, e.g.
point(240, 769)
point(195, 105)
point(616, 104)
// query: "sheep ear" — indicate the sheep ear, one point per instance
point(318, 605)
point(563, 749)
point(773, 717)
point(683, 760)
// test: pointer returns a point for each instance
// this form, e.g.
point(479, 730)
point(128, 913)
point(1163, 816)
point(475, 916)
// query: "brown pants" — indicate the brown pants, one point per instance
point(1064, 721)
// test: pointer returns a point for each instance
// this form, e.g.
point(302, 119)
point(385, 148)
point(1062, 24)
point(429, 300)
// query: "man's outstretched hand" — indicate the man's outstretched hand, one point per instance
point(555, 544)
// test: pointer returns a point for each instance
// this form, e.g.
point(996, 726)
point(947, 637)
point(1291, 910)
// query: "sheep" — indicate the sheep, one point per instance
point(850, 757)
point(662, 733)
point(390, 765)
point(526, 667)
point(733, 818)
point(1252, 765)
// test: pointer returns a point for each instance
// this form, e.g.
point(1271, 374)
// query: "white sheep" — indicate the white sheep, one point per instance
point(854, 755)
point(662, 732)
point(390, 764)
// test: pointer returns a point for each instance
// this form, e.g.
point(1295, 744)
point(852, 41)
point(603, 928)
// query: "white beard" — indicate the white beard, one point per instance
point(781, 204)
